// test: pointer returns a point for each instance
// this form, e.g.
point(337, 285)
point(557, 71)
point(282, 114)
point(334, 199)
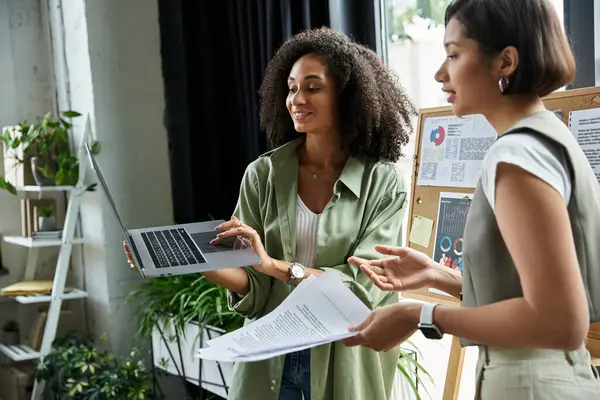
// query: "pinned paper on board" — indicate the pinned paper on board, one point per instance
point(453, 149)
point(585, 126)
point(420, 231)
point(452, 219)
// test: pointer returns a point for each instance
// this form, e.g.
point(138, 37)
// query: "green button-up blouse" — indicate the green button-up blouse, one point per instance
point(367, 208)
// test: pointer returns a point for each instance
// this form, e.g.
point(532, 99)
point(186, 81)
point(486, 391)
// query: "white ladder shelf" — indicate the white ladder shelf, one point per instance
point(24, 352)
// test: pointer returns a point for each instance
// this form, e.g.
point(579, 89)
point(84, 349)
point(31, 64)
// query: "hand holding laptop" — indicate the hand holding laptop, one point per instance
point(236, 228)
point(130, 259)
point(177, 249)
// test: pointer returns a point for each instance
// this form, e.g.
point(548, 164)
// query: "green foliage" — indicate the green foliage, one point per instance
point(48, 139)
point(77, 370)
point(433, 10)
point(181, 299)
point(46, 210)
point(412, 370)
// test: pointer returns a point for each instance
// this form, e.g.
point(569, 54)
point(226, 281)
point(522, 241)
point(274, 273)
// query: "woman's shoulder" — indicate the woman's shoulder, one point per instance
point(388, 174)
point(281, 154)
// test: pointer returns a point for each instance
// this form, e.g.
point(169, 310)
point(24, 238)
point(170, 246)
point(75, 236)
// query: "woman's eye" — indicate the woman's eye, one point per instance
point(451, 56)
point(292, 90)
point(314, 89)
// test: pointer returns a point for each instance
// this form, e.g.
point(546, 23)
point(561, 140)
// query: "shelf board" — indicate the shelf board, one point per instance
point(19, 352)
point(39, 242)
point(31, 188)
point(46, 298)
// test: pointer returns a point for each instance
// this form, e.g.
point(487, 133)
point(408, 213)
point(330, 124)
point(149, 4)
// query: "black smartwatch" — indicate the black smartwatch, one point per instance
point(426, 325)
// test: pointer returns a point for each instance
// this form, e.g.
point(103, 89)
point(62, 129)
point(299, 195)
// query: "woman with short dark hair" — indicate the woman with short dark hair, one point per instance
point(531, 258)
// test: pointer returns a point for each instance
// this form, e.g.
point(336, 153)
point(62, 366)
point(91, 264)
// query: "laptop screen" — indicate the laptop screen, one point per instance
point(106, 191)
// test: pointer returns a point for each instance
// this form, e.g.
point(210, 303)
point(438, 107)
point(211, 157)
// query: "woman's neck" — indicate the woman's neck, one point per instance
point(323, 152)
point(512, 109)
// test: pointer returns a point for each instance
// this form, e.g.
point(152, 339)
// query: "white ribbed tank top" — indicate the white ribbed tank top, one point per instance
point(307, 226)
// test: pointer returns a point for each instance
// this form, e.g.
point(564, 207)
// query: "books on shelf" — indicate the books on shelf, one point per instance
point(41, 235)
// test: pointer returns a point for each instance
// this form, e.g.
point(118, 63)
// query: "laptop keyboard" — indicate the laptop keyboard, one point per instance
point(172, 248)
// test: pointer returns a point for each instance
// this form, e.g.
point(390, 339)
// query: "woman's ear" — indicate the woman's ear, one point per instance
point(508, 61)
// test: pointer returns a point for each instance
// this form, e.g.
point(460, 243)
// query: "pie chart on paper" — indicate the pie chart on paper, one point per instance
point(437, 136)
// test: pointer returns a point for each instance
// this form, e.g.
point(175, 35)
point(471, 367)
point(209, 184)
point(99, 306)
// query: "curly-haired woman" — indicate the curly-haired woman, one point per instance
point(330, 189)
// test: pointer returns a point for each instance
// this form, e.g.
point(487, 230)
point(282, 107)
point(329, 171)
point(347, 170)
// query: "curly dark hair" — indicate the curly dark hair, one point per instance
point(375, 108)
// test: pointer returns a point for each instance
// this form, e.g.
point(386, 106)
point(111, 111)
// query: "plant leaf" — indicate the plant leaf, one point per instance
point(95, 148)
point(71, 114)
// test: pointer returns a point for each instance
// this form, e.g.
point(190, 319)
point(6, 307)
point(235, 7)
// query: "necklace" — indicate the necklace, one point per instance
point(316, 175)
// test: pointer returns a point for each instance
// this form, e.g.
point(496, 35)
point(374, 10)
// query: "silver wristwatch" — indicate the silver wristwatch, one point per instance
point(297, 274)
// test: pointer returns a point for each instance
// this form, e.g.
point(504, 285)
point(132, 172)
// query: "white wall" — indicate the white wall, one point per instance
point(109, 66)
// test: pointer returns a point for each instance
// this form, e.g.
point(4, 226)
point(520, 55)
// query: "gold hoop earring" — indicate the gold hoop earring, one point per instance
point(503, 84)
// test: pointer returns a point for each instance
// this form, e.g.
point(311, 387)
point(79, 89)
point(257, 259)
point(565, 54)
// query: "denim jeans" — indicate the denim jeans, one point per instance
point(295, 382)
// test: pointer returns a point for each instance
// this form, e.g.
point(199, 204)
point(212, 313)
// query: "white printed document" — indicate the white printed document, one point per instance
point(453, 149)
point(585, 126)
point(320, 310)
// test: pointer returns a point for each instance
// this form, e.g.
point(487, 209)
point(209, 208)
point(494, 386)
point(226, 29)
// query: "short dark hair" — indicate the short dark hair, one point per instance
point(546, 61)
point(376, 112)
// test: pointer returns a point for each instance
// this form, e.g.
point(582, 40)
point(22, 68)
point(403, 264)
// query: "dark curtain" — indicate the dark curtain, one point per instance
point(213, 55)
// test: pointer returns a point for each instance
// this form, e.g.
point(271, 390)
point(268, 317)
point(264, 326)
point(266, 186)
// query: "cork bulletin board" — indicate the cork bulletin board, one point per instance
point(425, 206)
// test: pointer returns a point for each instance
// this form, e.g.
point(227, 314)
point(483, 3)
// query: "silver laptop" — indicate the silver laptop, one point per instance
point(179, 249)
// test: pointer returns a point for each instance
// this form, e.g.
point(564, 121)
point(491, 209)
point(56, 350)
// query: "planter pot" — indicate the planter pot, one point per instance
point(215, 375)
point(46, 224)
point(11, 337)
point(38, 176)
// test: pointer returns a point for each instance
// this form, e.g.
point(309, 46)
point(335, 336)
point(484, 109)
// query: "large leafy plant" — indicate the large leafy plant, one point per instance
point(181, 299)
point(47, 138)
point(77, 370)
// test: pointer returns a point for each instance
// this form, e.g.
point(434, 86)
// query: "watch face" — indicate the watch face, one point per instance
point(430, 331)
point(297, 271)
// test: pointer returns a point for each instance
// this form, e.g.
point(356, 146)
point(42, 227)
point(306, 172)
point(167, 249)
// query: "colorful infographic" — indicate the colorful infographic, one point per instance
point(452, 218)
point(437, 136)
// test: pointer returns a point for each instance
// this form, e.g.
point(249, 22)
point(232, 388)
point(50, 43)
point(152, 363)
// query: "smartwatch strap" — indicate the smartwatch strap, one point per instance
point(427, 313)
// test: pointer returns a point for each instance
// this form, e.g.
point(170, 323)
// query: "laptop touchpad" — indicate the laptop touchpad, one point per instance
point(203, 239)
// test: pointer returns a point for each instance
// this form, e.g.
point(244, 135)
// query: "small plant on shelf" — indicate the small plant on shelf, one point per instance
point(46, 220)
point(44, 144)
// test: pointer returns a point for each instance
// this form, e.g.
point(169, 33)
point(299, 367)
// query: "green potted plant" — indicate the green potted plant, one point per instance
point(46, 220)
point(43, 145)
point(77, 370)
point(178, 314)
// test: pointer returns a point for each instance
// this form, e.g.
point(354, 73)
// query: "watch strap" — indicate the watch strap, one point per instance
point(427, 313)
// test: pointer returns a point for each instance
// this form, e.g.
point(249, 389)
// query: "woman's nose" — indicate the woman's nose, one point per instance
point(440, 75)
point(298, 98)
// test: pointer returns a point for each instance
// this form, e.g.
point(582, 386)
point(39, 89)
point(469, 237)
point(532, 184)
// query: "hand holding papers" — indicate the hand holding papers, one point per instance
point(320, 310)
